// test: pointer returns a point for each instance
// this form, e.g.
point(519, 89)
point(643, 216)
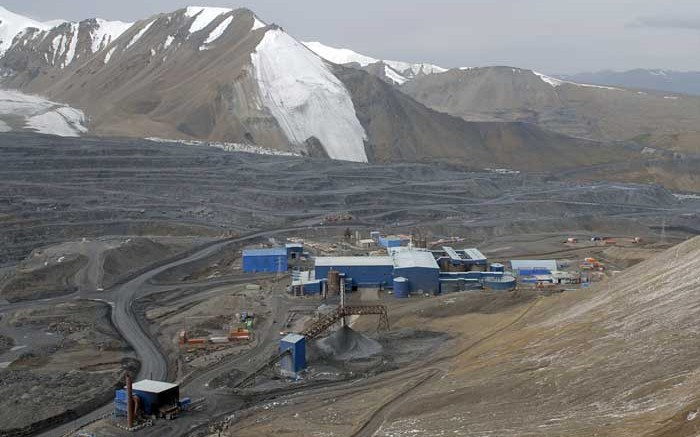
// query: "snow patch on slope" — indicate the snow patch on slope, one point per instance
point(217, 32)
point(70, 54)
point(168, 41)
point(306, 98)
point(41, 115)
point(394, 76)
point(204, 16)
point(106, 32)
point(346, 56)
point(415, 69)
point(558, 82)
point(109, 54)
point(140, 34)
point(339, 56)
point(257, 24)
point(64, 122)
point(12, 24)
point(547, 79)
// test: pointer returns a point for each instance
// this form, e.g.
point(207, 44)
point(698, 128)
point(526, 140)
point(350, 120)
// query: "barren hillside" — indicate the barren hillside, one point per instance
point(618, 359)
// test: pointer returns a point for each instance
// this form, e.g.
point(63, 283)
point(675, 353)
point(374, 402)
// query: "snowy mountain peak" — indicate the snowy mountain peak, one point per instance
point(203, 16)
point(12, 24)
point(399, 72)
point(104, 32)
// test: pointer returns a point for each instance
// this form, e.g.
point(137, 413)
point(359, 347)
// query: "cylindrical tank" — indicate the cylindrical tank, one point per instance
point(496, 267)
point(333, 282)
point(503, 283)
point(401, 287)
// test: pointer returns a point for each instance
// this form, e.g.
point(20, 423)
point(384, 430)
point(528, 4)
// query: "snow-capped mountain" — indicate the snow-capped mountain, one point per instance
point(396, 72)
point(223, 75)
point(12, 24)
point(59, 42)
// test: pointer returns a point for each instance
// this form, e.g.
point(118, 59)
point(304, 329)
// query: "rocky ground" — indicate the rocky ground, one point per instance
point(59, 357)
point(88, 188)
point(82, 215)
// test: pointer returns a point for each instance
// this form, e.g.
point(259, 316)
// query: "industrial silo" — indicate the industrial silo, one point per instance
point(333, 282)
point(497, 267)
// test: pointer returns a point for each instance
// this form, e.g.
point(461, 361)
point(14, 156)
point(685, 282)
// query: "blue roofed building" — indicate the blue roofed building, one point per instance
point(265, 260)
point(364, 271)
point(420, 269)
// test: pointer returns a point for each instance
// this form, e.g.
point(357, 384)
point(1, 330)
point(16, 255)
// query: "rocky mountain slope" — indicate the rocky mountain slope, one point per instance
point(223, 75)
point(589, 111)
point(682, 82)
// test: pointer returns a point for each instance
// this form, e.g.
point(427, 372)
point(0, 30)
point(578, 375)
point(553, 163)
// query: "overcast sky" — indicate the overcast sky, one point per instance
point(554, 36)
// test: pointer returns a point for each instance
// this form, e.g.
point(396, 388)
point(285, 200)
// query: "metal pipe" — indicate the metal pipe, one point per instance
point(129, 403)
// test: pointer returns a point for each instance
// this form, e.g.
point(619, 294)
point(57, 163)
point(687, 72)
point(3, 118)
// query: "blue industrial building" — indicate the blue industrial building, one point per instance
point(361, 271)
point(533, 267)
point(295, 361)
point(265, 260)
point(410, 270)
point(420, 269)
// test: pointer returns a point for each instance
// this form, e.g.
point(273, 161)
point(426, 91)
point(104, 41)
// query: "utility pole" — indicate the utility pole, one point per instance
point(663, 231)
point(342, 302)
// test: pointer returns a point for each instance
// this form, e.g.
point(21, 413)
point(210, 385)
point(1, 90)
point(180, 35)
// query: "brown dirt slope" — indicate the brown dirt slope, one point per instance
point(402, 129)
point(620, 359)
point(513, 94)
point(52, 280)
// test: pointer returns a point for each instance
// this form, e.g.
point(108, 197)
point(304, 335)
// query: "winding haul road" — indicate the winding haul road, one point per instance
point(121, 298)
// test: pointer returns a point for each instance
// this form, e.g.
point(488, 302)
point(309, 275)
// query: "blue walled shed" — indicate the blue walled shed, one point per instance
point(295, 361)
point(265, 260)
point(156, 394)
point(420, 269)
point(390, 241)
point(364, 271)
point(294, 250)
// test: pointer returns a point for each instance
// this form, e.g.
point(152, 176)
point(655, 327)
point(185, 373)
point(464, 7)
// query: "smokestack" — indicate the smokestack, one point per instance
point(129, 403)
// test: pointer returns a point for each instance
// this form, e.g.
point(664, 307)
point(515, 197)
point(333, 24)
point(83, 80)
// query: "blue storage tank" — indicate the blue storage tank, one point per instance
point(401, 288)
point(295, 361)
point(497, 267)
point(502, 283)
